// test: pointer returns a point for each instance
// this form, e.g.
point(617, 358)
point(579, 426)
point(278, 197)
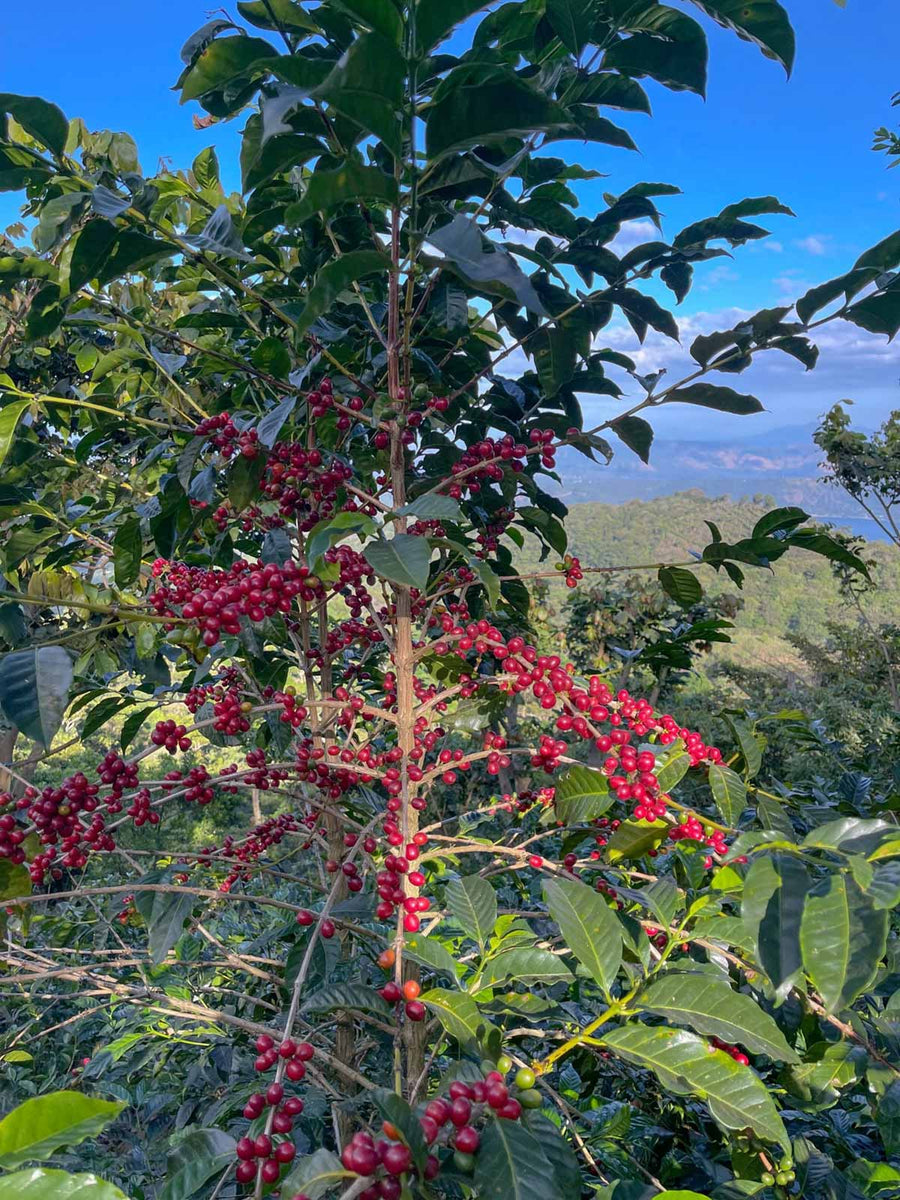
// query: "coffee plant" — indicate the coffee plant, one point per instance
point(267, 462)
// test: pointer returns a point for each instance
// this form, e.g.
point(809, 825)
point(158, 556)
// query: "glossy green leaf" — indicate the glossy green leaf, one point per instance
point(588, 926)
point(394, 1108)
point(763, 22)
point(164, 914)
point(779, 929)
point(711, 1006)
point(39, 1183)
point(202, 1154)
point(712, 395)
point(338, 276)
point(346, 995)
point(10, 415)
point(435, 19)
point(429, 952)
point(85, 254)
point(681, 584)
point(582, 794)
point(44, 121)
point(40, 1126)
point(729, 792)
point(637, 434)
point(843, 937)
point(316, 1174)
point(472, 903)
point(432, 507)
point(528, 964)
point(34, 690)
point(403, 560)
point(457, 1012)
point(633, 839)
point(367, 86)
point(350, 183)
point(473, 114)
point(334, 529)
point(496, 271)
point(685, 1064)
point(672, 770)
point(128, 550)
point(511, 1164)
point(224, 60)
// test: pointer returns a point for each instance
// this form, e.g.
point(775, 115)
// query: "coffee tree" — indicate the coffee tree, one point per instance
point(267, 460)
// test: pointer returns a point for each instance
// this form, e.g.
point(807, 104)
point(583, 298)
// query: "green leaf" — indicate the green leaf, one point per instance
point(394, 1108)
point(164, 914)
point(879, 312)
point(132, 724)
point(472, 903)
point(883, 256)
point(435, 19)
point(336, 277)
point(667, 45)
point(381, 15)
point(711, 1006)
point(843, 937)
point(634, 838)
point(334, 529)
point(572, 22)
point(41, 1184)
point(557, 1151)
point(846, 285)
point(34, 690)
point(43, 1124)
point(276, 14)
point(682, 585)
point(778, 944)
point(432, 507)
point(10, 416)
point(315, 1175)
point(582, 794)
point(511, 1164)
point(15, 880)
point(194, 1160)
point(496, 272)
point(273, 357)
point(224, 60)
point(457, 1012)
point(128, 550)
point(478, 113)
point(403, 560)
point(367, 86)
point(853, 835)
point(527, 964)
point(686, 1065)
point(429, 952)
point(346, 995)
point(779, 520)
point(636, 433)
point(673, 770)
point(763, 22)
point(243, 480)
point(729, 792)
point(85, 254)
point(588, 926)
point(205, 167)
point(711, 395)
point(44, 121)
point(746, 739)
point(350, 183)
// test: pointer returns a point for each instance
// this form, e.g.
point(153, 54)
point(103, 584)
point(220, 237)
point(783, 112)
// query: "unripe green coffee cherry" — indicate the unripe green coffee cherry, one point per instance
point(525, 1078)
point(781, 1178)
point(531, 1098)
point(464, 1162)
point(767, 1178)
point(504, 1064)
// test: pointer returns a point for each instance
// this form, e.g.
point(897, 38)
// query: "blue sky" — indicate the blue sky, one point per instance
point(806, 140)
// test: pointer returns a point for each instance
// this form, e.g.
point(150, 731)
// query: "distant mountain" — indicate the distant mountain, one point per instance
point(782, 464)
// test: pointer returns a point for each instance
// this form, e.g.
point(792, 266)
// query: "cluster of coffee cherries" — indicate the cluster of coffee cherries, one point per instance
point(571, 567)
point(222, 433)
point(693, 828)
point(451, 1128)
point(265, 1154)
point(389, 882)
point(303, 484)
point(407, 993)
point(485, 460)
point(216, 600)
point(734, 1052)
point(171, 736)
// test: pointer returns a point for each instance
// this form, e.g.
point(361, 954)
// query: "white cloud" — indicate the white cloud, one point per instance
point(814, 244)
point(633, 233)
point(718, 275)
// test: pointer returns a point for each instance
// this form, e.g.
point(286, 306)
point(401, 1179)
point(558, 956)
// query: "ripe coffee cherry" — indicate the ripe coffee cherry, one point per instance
point(287, 1049)
point(391, 993)
point(245, 1149)
point(271, 1170)
point(295, 1070)
point(305, 1051)
point(460, 1111)
point(264, 1043)
point(262, 1146)
point(274, 1093)
point(467, 1139)
point(293, 1106)
point(535, 860)
point(245, 1172)
point(438, 1110)
point(305, 917)
point(326, 929)
point(497, 1094)
point(282, 1123)
point(511, 1110)
point(386, 959)
point(415, 1010)
point(411, 989)
point(397, 1159)
point(285, 1151)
